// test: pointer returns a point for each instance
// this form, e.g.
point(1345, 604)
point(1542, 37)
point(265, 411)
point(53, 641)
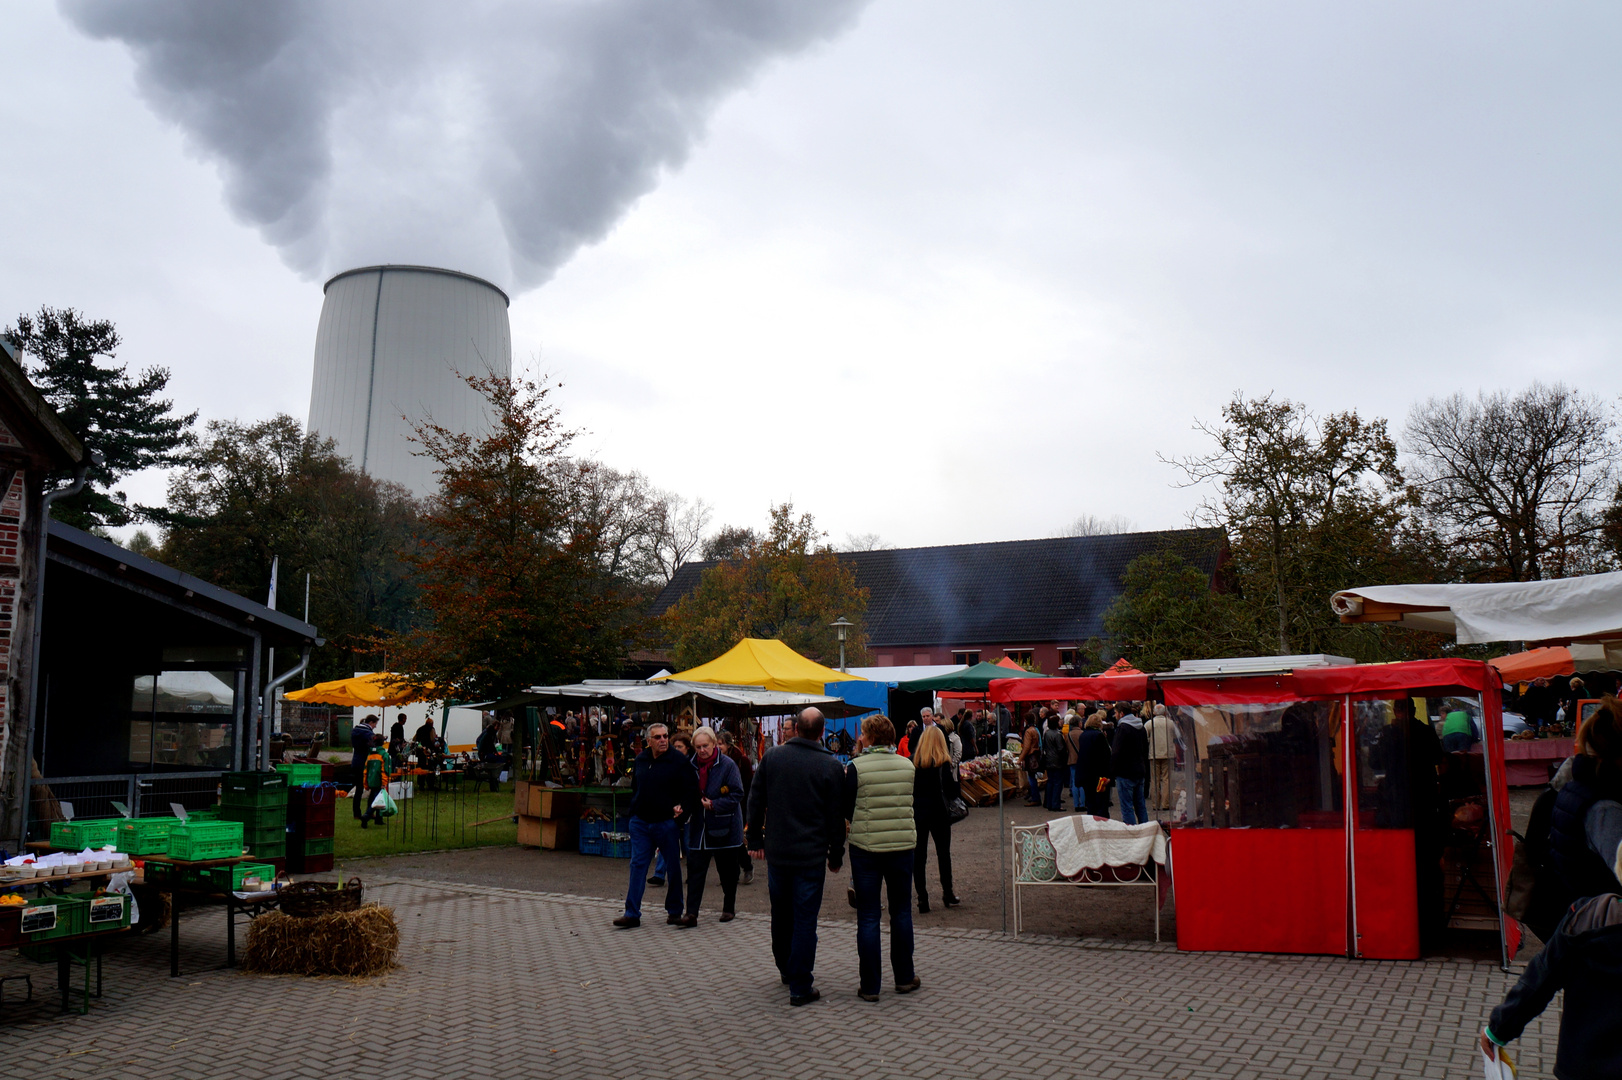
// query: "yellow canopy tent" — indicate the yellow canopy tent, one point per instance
point(766, 663)
point(378, 690)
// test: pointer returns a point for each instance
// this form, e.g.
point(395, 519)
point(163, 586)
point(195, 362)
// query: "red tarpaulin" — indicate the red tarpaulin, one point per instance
point(1367, 682)
point(1097, 688)
point(1546, 663)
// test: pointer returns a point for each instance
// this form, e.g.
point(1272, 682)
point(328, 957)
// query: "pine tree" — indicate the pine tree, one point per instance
point(122, 419)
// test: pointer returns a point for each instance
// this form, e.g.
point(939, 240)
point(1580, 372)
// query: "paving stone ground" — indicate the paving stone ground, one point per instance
point(501, 983)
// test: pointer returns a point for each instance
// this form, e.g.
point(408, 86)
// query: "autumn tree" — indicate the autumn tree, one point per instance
point(251, 493)
point(786, 584)
point(1170, 610)
point(1310, 505)
point(1517, 483)
point(522, 571)
point(123, 418)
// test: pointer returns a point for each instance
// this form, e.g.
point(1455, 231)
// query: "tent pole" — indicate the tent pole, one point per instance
point(1496, 722)
point(1002, 823)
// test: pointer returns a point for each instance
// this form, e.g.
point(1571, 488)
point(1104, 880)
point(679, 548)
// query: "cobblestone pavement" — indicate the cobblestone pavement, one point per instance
point(501, 983)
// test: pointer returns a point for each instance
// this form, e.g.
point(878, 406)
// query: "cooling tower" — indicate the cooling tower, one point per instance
point(391, 350)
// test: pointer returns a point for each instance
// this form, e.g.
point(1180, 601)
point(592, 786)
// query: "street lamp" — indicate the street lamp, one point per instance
point(840, 626)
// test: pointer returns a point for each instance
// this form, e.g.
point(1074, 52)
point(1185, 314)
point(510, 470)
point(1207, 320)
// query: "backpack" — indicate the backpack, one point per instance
point(1537, 894)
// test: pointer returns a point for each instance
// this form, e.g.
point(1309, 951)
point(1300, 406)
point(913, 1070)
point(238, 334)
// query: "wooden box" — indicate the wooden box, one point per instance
point(553, 835)
point(551, 804)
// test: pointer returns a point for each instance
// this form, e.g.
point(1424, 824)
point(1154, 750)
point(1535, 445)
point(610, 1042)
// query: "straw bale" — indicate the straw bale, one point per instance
point(362, 942)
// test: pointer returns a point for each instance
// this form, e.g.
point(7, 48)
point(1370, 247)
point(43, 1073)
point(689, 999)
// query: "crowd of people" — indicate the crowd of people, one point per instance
point(1130, 748)
point(797, 814)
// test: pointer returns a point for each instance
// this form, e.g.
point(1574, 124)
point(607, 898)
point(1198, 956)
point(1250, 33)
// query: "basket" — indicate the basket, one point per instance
point(591, 837)
point(617, 845)
point(307, 899)
point(300, 774)
point(70, 917)
point(89, 833)
point(205, 840)
point(229, 878)
point(253, 789)
point(145, 836)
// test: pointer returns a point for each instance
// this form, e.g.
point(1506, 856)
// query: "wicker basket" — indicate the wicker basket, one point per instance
point(307, 899)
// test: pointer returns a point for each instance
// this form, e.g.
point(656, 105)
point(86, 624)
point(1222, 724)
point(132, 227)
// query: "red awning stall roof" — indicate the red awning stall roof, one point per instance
point(1364, 682)
point(1098, 688)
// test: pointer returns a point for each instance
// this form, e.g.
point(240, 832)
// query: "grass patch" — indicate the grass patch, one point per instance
point(430, 823)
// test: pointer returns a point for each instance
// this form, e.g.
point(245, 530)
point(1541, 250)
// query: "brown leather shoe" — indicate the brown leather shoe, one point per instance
point(727, 916)
point(686, 922)
point(908, 988)
point(672, 920)
point(626, 922)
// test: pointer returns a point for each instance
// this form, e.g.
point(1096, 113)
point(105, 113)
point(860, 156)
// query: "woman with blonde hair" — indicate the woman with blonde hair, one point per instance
point(934, 787)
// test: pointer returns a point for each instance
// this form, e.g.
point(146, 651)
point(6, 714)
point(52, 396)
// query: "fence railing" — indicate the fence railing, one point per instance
point(145, 794)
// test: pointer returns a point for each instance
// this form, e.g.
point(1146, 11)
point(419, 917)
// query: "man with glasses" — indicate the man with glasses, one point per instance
point(664, 789)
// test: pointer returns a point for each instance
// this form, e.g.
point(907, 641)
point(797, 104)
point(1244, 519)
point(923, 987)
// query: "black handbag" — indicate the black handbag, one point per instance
point(956, 810)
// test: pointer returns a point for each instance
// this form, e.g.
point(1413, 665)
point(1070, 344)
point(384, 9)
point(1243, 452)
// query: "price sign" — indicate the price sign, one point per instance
point(39, 917)
point(107, 909)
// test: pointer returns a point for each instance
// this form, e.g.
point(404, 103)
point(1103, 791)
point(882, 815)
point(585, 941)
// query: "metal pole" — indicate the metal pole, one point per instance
point(1002, 823)
point(270, 707)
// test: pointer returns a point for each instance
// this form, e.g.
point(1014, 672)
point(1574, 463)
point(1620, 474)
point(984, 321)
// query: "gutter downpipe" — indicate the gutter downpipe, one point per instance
point(37, 633)
point(269, 707)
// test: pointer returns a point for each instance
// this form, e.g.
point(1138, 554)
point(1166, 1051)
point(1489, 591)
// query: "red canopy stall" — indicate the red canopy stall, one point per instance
point(1265, 856)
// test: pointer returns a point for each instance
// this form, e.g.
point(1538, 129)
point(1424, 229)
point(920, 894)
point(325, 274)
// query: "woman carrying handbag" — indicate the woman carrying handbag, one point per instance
point(934, 788)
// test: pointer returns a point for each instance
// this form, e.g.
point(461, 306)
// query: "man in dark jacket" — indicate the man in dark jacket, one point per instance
point(1129, 764)
point(797, 824)
point(1584, 958)
point(360, 745)
point(1056, 761)
point(664, 790)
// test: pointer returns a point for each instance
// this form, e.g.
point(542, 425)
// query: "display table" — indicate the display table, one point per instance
point(1085, 851)
point(1531, 762)
point(202, 895)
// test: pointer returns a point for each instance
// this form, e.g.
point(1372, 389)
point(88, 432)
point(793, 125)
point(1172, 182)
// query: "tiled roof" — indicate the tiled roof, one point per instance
point(1054, 590)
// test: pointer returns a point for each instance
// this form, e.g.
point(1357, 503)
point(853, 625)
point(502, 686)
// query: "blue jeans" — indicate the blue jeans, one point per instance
point(796, 894)
point(1055, 800)
point(1077, 799)
point(1036, 787)
point(1134, 807)
point(645, 837)
point(893, 870)
point(659, 856)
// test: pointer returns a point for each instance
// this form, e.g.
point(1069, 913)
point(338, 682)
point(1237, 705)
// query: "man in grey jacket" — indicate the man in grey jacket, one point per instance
point(797, 824)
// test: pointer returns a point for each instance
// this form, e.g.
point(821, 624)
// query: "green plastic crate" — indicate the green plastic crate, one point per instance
point(318, 847)
point(256, 817)
point(161, 873)
point(106, 913)
point(299, 774)
point(253, 789)
point(208, 813)
point(229, 878)
point(91, 833)
point(145, 836)
point(205, 840)
point(277, 850)
point(70, 917)
point(271, 834)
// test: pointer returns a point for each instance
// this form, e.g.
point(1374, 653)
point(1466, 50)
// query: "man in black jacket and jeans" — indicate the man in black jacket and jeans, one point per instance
point(797, 824)
point(664, 790)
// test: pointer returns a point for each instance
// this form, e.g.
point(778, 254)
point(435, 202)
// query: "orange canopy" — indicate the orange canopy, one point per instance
point(1543, 663)
point(1120, 668)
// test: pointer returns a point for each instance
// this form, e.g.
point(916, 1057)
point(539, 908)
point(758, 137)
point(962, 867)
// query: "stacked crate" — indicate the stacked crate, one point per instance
point(311, 827)
point(259, 801)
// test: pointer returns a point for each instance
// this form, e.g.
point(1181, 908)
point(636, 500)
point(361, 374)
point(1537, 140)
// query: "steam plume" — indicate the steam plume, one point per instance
point(493, 136)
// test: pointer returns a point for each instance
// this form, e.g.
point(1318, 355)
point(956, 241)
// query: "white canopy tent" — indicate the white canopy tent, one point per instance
point(1582, 610)
point(755, 700)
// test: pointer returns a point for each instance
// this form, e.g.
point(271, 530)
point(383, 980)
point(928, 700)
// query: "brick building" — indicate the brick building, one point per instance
point(34, 444)
point(1035, 601)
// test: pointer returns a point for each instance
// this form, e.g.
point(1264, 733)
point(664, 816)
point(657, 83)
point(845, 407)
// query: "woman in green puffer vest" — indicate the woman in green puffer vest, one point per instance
point(878, 805)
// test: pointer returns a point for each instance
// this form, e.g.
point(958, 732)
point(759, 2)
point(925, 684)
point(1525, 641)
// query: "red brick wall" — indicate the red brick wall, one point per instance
point(1045, 653)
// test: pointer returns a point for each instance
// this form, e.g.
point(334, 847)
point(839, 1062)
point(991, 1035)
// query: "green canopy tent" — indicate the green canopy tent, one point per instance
point(976, 679)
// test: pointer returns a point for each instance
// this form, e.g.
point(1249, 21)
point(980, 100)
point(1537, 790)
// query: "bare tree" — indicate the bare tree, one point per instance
point(1093, 525)
point(681, 532)
point(1516, 481)
point(864, 542)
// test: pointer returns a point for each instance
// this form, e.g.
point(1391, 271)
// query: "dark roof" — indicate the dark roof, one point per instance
point(107, 559)
point(31, 418)
point(1014, 591)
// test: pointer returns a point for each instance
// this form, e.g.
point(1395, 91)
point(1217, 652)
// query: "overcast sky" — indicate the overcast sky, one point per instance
point(941, 271)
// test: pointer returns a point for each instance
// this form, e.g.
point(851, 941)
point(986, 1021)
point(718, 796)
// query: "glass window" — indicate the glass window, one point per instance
point(183, 718)
point(1271, 766)
point(967, 658)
